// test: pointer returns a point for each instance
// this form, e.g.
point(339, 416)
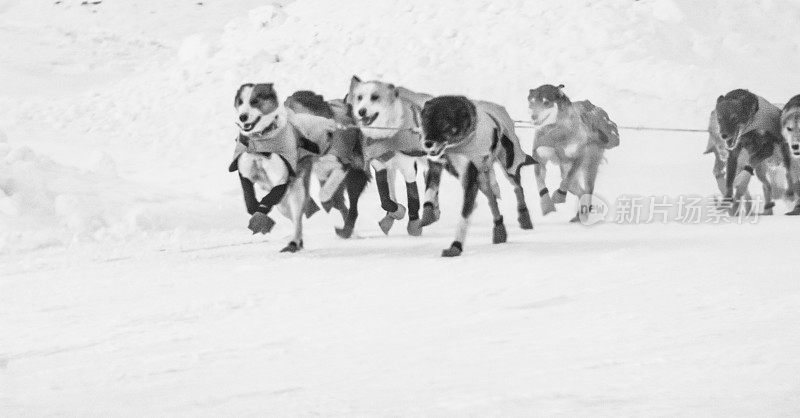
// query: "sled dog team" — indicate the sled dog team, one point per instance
point(392, 130)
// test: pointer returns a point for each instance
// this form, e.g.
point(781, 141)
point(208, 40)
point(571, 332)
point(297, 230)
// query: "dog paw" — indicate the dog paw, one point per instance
point(430, 214)
point(292, 247)
point(499, 234)
point(414, 228)
point(455, 250)
point(794, 212)
point(260, 223)
point(386, 224)
point(524, 218)
point(547, 204)
point(345, 232)
point(559, 196)
point(576, 219)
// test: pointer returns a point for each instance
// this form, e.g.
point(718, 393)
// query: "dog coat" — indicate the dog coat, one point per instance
point(486, 144)
point(597, 118)
point(346, 143)
point(766, 119)
point(405, 141)
point(303, 135)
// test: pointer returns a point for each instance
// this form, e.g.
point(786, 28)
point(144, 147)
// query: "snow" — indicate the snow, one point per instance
point(129, 285)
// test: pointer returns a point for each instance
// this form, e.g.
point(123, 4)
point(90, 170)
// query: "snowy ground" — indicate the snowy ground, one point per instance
point(129, 285)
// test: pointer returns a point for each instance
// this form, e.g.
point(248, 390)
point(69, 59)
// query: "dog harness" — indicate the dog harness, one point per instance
point(406, 140)
point(766, 119)
point(492, 140)
point(299, 138)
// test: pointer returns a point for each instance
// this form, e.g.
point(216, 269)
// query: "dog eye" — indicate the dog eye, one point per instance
point(360, 97)
point(253, 102)
point(789, 129)
point(453, 130)
point(374, 97)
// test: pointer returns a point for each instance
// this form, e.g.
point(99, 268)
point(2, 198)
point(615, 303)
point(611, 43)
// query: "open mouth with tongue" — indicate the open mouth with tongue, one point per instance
point(367, 121)
point(247, 127)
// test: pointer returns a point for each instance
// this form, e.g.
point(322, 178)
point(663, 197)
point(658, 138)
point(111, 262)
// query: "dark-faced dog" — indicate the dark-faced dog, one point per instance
point(474, 135)
point(750, 125)
point(342, 165)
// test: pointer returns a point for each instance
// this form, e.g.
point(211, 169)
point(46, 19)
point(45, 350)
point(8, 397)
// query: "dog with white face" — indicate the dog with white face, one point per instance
point(790, 128)
point(389, 118)
point(275, 151)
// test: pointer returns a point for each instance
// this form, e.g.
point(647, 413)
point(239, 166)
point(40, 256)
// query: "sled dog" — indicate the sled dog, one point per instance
point(389, 118)
point(750, 126)
point(480, 134)
point(572, 135)
point(275, 150)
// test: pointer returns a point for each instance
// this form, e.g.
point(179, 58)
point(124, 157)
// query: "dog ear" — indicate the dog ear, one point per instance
point(560, 86)
point(720, 99)
point(354, 82)
point(750, 103)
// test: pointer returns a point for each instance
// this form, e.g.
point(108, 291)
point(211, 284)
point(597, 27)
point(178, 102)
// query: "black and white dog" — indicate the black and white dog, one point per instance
point(275, 150)
point(474, 135)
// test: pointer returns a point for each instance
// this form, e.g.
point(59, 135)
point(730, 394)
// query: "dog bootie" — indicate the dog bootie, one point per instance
point(414, 228)
point(768, 209)
point(260, 223)
point(576, 219)
point(292, 247)
point(430, 214)
point(524, 218)
point(455, 250)
point(311, 208)
point(795, 211)
point(388, 220)
point(559, 196)
point(546, 202)
point(499, 234)
point(345, 232)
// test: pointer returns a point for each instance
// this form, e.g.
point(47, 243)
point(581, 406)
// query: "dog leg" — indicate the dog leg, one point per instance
point(594, 157)
point(430, 210)
point(766, 187)
point(523, 215)
point(414, 223)
point(296, 205)
point(560, 195)
point(355, 182)
point(408, 169)
point(394, 211)
point(545, 202)
point(470, 183)
point(499, 234)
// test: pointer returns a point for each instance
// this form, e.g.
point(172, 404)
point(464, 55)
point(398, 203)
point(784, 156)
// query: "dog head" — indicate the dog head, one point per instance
point(734, 110)
point(373, 103)
point(790, 127)
point(446, 121)
point(258, 112)
point(305, 101)
point(544, 103)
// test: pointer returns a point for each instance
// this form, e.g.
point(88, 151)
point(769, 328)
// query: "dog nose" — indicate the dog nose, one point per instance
point(724, 136)
point(243, 117)
point(795, 147)
point(428, 144)
point(362, 112)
